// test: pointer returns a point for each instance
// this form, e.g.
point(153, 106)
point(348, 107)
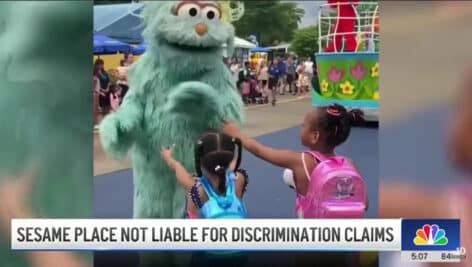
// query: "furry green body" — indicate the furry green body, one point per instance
point(176, 94)
point(174, 110)
point(178, 89)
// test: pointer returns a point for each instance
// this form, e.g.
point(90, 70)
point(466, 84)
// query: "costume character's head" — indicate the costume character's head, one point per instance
point(186, 35)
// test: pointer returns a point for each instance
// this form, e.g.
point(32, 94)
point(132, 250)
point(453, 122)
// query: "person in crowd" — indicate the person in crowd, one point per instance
point(291, 70)
point(96, 93)
point(255, 95)
point(129, 59)
point(115, 97)
point(296, 65)
point(244, 75)
point(301, 82)
point(274, 76)
point(281, 83)
point(235, 68)
point(308, 68)
point(123, 70)
point(263, 77)
point(104, 80)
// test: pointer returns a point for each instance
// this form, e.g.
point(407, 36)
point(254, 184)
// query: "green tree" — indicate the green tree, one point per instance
point(305, 41)
point(271, 22)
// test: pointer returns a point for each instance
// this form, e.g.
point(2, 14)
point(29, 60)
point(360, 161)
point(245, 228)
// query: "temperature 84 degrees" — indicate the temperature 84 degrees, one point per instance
point(460, 254)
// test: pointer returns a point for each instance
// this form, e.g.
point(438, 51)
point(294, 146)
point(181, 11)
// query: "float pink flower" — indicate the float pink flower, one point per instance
point(335, 75)
point(358, 72)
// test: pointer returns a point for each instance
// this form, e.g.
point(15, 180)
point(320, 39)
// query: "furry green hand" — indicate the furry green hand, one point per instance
point(191, 98)
point(117, 129)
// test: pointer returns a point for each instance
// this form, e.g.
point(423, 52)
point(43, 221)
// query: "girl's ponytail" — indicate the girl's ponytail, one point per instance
point(356, 117)
point(220, 171)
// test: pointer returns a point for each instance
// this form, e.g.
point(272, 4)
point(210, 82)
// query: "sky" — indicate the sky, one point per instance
point(311, 11)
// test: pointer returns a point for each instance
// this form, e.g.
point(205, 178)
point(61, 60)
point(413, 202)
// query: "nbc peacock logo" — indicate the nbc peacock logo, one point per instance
point(430, 235)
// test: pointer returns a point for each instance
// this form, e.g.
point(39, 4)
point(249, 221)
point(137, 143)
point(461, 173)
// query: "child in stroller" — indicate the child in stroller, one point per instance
point(251, 91)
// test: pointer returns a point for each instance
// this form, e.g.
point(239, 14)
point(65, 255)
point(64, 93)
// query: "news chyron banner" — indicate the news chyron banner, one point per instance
point(419, 240)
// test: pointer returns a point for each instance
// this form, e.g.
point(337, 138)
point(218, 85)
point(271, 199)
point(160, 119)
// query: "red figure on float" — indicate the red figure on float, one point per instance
point(345, 26)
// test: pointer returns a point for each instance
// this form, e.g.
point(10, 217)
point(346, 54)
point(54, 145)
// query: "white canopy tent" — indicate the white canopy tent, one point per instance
point(241, 48)
point(241, 43)
point(280, 47)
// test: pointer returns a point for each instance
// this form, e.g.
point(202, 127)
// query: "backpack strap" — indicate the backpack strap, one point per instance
point(208, 188)
point(230, 188)
point(317, 155)
point(307, 173)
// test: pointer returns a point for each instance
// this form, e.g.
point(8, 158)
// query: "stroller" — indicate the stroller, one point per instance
point(256, 93)
point(251, 92)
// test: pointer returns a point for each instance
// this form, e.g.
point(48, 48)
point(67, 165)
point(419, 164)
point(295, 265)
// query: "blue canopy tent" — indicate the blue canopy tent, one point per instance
point(259, 49)
point(119, 21)
point(103, 45)
point(139, 50)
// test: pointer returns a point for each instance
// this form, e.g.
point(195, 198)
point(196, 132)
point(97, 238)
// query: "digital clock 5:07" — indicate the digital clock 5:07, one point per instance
point(419, 256)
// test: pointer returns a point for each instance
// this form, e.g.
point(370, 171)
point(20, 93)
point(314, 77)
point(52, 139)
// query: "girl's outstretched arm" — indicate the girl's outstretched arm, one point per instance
point(282, 158)
point(184, 178)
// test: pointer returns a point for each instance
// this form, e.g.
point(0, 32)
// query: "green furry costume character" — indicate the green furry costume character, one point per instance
point(179, 88)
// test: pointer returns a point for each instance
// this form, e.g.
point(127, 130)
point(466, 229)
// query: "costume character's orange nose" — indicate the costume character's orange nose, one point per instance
point(201, 29)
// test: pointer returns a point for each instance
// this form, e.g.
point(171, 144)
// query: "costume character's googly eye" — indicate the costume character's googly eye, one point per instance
point(211, 13)
point(189, 10)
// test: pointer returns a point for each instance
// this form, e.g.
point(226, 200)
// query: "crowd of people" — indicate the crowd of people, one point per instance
point(257, 84)
point(110, 87)
point(262, 83)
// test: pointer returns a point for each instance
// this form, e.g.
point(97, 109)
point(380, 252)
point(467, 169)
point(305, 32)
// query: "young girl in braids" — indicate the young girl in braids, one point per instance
point(216, 191)
point(323, 130)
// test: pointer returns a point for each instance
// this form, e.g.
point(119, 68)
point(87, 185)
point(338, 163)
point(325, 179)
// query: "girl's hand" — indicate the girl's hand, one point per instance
point(231, 129)
point(166, 154)
point(14, 195)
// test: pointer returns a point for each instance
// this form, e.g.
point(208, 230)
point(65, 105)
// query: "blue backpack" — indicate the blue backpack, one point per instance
point(222, 207)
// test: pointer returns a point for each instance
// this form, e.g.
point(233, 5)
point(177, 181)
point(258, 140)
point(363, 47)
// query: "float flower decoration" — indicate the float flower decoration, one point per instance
point(376, 95)
point(358, 73)
point(347, 88)
point(375, 71)
point(335, 75)
point(324, 86)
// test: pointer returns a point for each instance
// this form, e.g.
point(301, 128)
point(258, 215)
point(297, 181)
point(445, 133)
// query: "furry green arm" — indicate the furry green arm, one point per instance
point(193, 100)
point(118, 129)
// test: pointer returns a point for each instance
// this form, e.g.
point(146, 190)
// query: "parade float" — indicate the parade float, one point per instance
point(348, 57)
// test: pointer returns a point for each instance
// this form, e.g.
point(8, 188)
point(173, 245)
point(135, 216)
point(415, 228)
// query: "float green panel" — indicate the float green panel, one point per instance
point(350, 79)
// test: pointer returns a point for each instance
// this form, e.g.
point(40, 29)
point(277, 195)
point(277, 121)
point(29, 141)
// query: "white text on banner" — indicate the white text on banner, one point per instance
point(250, 234)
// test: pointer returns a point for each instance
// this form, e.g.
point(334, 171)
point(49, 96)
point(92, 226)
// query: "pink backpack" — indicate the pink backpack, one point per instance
point(336, 189)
